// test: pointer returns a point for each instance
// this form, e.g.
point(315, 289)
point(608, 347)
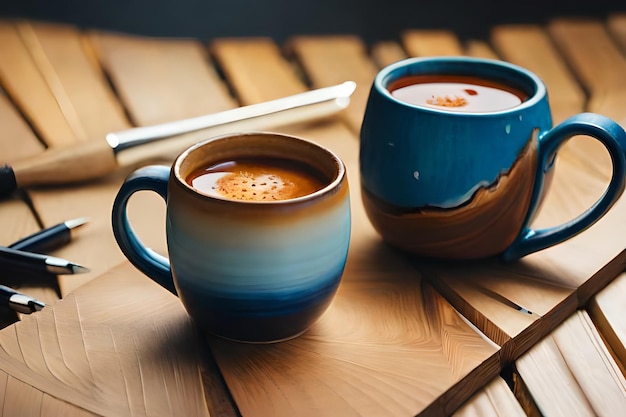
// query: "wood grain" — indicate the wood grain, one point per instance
point(107, 351)
point(494, 400)
point(571, 372)
point(79, 87)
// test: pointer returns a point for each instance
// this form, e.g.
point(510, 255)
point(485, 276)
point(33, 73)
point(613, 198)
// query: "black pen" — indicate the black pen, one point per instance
point(28, 261)
point(19, 302)
point(48, 238)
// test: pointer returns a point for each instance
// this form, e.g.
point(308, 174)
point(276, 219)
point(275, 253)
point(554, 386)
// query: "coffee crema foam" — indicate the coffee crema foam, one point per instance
point(456, 93)
point(262, 179)
point(458, 97)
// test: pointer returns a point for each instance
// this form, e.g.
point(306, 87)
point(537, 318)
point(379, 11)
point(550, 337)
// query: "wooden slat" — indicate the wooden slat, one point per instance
point(330, 60)
point(495, 400)
point(480, 49)
point(608, 312)
point(160, 80)
point(571, 373)
point(257, 84)
point(421, 42)
point(616, 24)
point(594, 56)
point(365, 356)
point(387, 52)
point(26, 85)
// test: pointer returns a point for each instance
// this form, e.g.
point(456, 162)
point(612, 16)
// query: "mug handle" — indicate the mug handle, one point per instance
point(150, 178)
point(613, 137)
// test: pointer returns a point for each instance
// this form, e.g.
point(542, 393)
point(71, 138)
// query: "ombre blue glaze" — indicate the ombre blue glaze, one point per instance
point(261, 315)
point(248, 271)
point(389, 163)
point(147, 261)
point(417, 159)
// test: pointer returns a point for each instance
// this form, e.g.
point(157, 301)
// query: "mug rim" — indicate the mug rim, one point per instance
point(338, 177)
point(388, 74)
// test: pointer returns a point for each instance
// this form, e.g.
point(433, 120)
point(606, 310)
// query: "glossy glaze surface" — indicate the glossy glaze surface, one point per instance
point(451, 184)
point(255, 271)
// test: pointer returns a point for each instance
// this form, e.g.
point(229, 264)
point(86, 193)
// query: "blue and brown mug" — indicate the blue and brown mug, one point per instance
point(257, 227)
point(456, 154)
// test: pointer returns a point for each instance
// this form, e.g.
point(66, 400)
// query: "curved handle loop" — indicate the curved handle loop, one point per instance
point(613, 137)
point(151, 178)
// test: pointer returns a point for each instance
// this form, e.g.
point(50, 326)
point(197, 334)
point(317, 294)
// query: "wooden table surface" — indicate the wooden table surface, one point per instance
point(402, 338)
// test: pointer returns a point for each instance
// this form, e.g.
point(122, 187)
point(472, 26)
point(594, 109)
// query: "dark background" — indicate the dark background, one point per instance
point(372, 20)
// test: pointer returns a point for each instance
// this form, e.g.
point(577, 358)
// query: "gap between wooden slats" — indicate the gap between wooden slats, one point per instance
point(29, 89)
point(571, 372)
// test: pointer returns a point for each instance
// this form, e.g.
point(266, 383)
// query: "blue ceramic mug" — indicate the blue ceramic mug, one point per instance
point(456, 153)
point(256, 252)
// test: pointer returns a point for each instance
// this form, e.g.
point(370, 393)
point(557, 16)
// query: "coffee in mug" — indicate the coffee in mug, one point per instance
point(257, 179)
point(457, 93)
point(456, 153)
point(258, 230)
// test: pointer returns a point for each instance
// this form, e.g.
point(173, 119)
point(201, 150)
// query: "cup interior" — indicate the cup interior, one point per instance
point(499, 72)
point(261, 145)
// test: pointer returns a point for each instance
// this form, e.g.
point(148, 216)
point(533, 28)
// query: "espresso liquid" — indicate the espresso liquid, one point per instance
point(456, 93)
point(258, 179)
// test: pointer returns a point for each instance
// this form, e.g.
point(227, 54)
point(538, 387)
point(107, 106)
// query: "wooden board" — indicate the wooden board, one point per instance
point(403, 337)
